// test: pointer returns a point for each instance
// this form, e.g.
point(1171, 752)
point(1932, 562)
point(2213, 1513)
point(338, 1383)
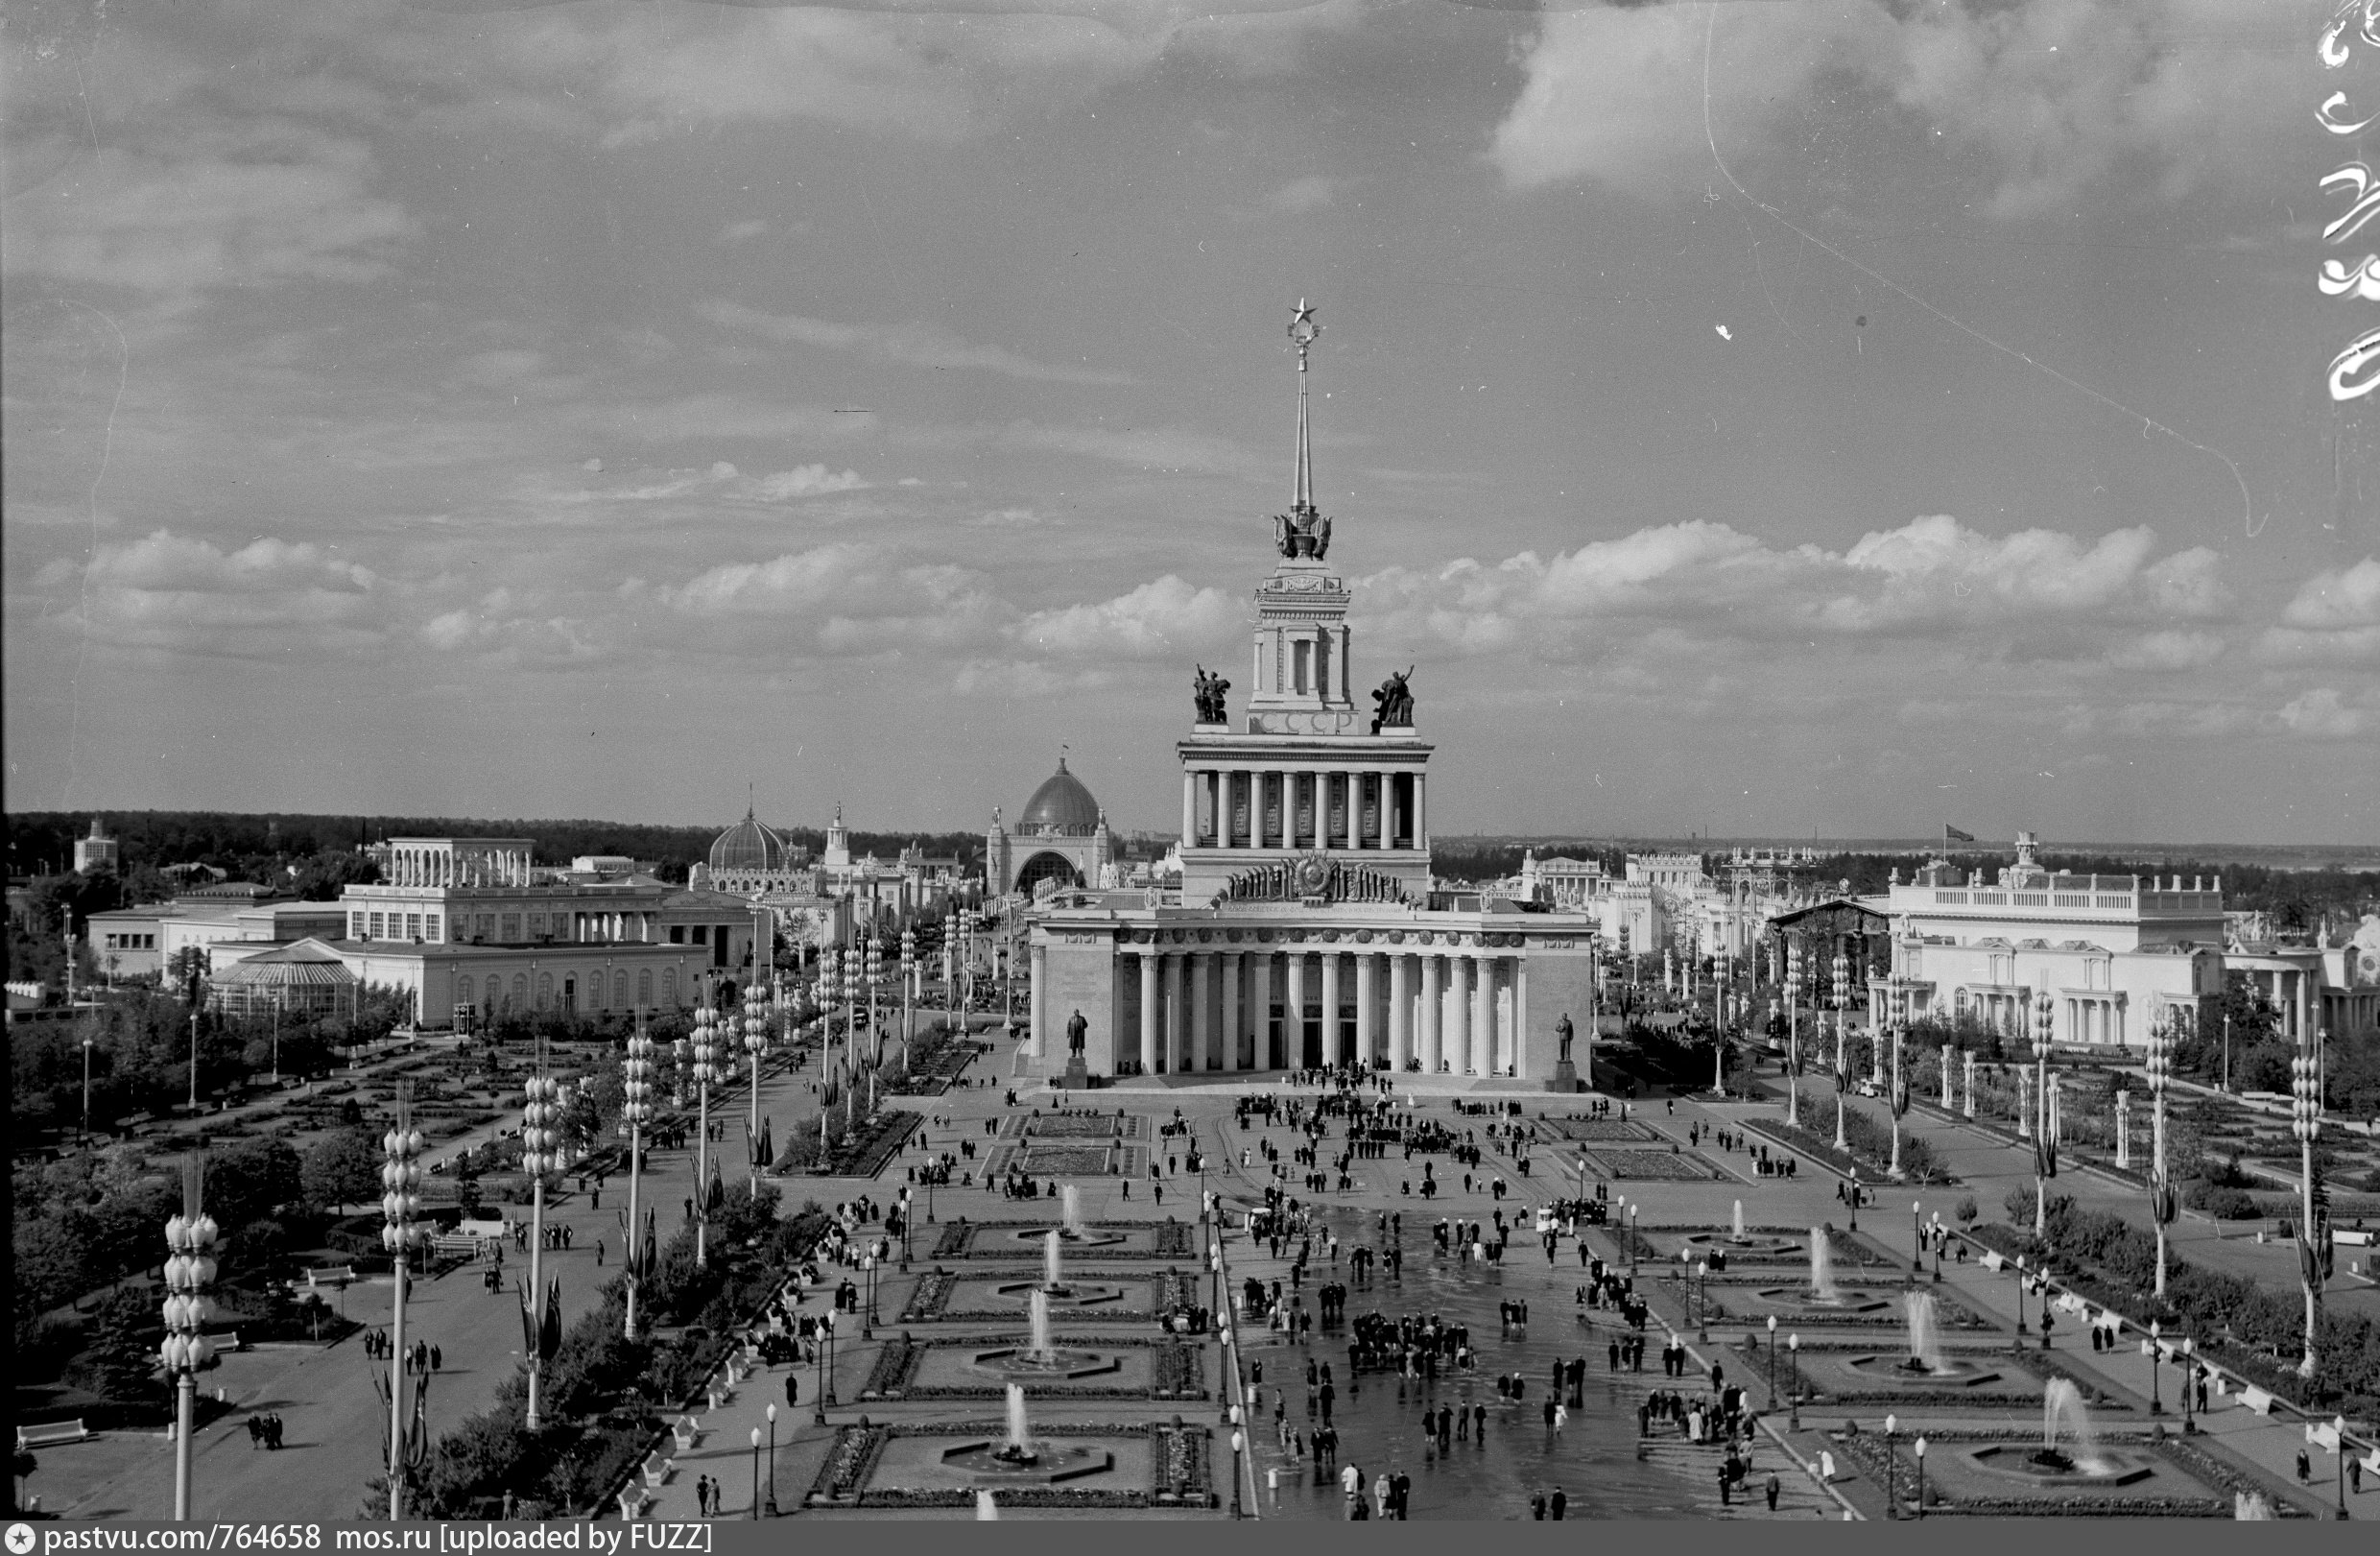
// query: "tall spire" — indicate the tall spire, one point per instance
point(1303, 332)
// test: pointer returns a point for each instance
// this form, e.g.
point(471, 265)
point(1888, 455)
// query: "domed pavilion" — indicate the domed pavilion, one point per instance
point(1061, 836)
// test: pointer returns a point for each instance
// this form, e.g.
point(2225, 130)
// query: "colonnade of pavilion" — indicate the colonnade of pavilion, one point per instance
point(1334, 806)
point(1455, 1009)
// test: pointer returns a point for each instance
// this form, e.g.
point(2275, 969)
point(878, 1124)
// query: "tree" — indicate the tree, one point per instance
point(248, 1180)
point(343, 1167)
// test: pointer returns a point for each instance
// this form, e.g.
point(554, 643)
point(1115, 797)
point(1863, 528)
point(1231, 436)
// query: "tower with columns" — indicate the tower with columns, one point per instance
point(1305, 933)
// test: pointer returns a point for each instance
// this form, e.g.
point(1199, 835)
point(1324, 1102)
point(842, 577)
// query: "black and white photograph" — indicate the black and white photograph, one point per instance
point(870, 761)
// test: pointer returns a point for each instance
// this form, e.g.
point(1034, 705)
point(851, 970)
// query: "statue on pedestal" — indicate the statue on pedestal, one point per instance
point(1207, 696)
point(1393, 705)
point(1076, 1030)
point(1562, 1035)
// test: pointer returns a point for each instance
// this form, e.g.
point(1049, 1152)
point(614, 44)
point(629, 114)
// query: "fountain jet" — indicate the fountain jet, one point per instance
point(1041, 1349)
point(1053, 1279)
point(2061, 1410)
point(1018, 1448)
point(1739, 1221)
point(987, 1506)
point(1925, 1341)
point(1070, 1200)
point(1822, 1268)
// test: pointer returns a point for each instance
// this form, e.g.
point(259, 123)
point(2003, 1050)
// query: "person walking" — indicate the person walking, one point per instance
point(1557, 1504)
point(1771, 1489)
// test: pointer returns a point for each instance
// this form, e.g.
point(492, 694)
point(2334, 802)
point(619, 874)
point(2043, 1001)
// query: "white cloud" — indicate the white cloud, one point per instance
point(2321, 715)
point(179, 592)
point(805, 481)
point(1298, 196)
point(795, 580)
point(911, 344)
point(208, 210)
point(2334, 617)
point(2132, 100)
point(1167, 615)
point(2168, 651)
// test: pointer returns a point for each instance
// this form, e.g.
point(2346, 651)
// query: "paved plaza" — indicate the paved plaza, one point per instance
point(1598, 1456)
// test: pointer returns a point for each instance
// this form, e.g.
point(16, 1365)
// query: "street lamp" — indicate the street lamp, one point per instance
point(1891, 1466)
point(2161, 1207)
point(2189, 1383)
point(1793, 1353)
point(635, 1108)
point(705, 1057)
point(755, 1043)
point(400, 1179)
point(867, 1314)
point(772, 1461)
point(818, 1353)
point(755, 1513)
point(1702, 1308)
point(189, 1270)
point(1773, 1361)
point(539, 1138)
point(1917, 1238)
point(2155, 1353)
point(87, 1087)
point(2020, 1302)
point(1632, 1242)
point(829, 1396)
point(2305, 1085)
point(1920, 1447)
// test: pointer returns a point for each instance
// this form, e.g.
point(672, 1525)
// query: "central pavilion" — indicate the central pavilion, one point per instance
point(1306, 933)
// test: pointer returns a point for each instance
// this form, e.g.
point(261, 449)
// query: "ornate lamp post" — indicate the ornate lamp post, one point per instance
point(540, 1114)
point(755, 1513)
point(828, 1317)
point(190, 1240)
point(1899, 1101)
point(635, 1108)
point(86, 1086)
point(2153, 1349)
point(2044, 1150)
point(772, 1461)
point(706, 1066)
point(1891, 1466)
point(910, 991)
point(868, 1313)
point(1239, 1445)
point(1919, 1447)
point(2189, 1383)
point(2020, 1302)
point(1841, 994)
point(1701, 1323)
point(1795, 973)
point(874, 973)
point(2161, 1207)
point(755, 1043)
point(400, 1201)
point(1917, 1239)
point(2305, 1121)
point(1793, 1353)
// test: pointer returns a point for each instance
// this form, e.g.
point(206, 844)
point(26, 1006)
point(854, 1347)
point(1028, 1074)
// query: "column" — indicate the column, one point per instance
point(1148, 1013)
point(1040, 994)
point(1294, 1014)
point(1175, 1038)
point(1484, 1019)
point(1259, 992)
point(1331, 1045)
point(1201, 969)
point(1459, 1053)
point(1287, 812)
point(1400, 1010)
point(1421, 813)
point(1388, 810)
point(1189, 809)
point(1517, 1051)
point(1234, 998)
point(1353, 782)
point(1367, 998)
point(1432, 1012)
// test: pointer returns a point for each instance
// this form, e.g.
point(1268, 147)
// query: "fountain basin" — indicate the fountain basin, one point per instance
point(1064, 1294)
point(1085, 1239)
point(1024, 1364)
point(1837, 1302)
point(2048, 1469)
point(1038, 1462)
point(1898, 1372)
point(1751, 1245)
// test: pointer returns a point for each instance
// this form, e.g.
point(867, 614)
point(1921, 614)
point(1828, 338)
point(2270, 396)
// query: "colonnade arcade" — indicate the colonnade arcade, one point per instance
point(1305, 807)
point(485, 861)
point(1457, 1006)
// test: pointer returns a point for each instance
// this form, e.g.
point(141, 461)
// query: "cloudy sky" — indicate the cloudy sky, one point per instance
point(1768, 418)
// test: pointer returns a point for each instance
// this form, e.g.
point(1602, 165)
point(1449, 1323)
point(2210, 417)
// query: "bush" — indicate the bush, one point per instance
point(2221, 1200)
point(1967, 1211)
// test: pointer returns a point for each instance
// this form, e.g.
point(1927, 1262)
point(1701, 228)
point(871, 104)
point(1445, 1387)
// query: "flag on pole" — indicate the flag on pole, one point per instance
point(1952, 834)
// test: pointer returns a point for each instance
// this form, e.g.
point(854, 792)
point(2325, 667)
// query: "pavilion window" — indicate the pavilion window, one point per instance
point(1302, 657)
point(430, 926)
point(512, 927)
point(378, 925)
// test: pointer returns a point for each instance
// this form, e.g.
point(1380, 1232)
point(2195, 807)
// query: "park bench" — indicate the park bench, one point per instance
point(657, 1469)
point(51, 1433)
point(720, 1396)
point(230, 1341)
point(633, 1503)
point(686, 1433)
point(455, 1245)
point(331, 1275)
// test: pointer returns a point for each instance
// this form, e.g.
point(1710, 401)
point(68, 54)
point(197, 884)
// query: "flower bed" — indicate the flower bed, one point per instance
point(1178, 1476)
point(859, 1152)
point(1867, 1450)
point(1177, 1371)
point(1871, 1142)
point(2256, 1331)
